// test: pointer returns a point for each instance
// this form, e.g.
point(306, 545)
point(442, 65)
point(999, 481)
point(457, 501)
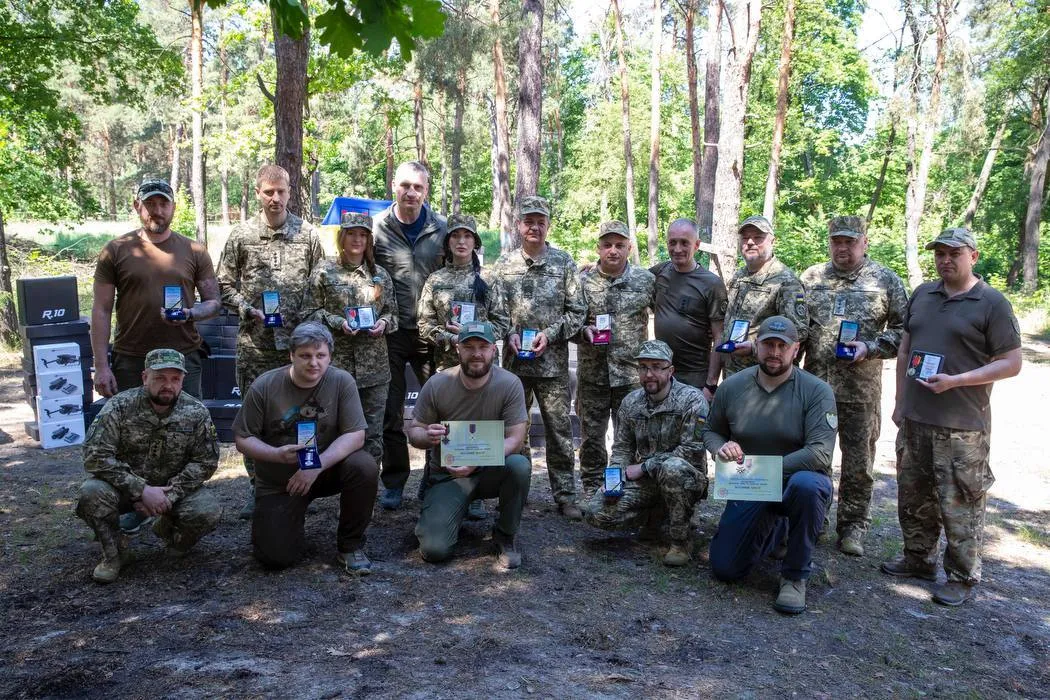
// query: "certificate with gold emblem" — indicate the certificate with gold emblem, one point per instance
point(756, 478)
point(476, 443)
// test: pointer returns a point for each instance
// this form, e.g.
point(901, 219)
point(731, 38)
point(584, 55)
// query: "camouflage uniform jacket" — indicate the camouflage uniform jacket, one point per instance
point(773, 290)
point(334, 287)
point(874, 297)
point(628, 299)
point(544, 294)
point(409, 264)
point(646, 434)
point(257, 258)
point(455, 283)
point(130, 446)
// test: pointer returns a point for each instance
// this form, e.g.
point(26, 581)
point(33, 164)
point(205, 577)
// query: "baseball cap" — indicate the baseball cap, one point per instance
point(533, 204)
point(654, 350)
point(759, 222)
point(355, 219)
point(778, 327)
point(617, 228)
point(953, 237)
point(457, 221)
point(151, 188)
point(850, 226)
point(479, 329)
point(165, 358)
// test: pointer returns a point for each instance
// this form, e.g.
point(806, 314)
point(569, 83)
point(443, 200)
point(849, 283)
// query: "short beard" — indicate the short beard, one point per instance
point(466, 369)
point(156, 228)
point(766, 371)
point(163, 401)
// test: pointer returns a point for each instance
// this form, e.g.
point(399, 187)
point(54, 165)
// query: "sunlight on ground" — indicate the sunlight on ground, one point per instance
point(910, 590)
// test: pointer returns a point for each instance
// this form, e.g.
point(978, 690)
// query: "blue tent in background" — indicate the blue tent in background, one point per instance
point(345, 204)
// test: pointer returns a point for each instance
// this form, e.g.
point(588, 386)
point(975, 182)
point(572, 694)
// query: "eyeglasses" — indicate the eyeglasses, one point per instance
point(645, 369)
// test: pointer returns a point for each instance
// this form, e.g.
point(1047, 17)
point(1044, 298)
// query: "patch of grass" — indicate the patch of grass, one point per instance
point(1033, 535)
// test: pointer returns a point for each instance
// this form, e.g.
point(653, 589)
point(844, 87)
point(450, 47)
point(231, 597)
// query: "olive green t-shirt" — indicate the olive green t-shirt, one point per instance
point(274, 405)
point(686, 304)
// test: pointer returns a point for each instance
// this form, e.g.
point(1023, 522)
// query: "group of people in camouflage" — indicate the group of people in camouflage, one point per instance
point(408, 289)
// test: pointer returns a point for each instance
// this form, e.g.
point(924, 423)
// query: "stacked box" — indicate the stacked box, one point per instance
point(219, 369)
point(62, 392)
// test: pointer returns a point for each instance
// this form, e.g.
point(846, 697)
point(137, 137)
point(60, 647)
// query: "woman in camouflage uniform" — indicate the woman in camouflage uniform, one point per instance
point(351, 282)
point(461, 280)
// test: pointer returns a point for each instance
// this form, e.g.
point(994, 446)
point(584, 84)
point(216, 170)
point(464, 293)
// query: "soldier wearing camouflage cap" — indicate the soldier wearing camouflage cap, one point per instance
point(274, 251)
point(540, 288)
point(764, 287)
point(775, 408)
point(854, 289)
point(149, 451)
point(339, 290)
point(960, 337)
point(659, 447)
point(619, 297)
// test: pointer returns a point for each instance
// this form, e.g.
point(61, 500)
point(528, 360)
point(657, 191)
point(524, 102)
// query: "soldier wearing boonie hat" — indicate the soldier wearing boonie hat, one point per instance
point(851, 288)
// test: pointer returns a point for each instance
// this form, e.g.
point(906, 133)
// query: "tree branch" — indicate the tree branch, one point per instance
point(266, 93)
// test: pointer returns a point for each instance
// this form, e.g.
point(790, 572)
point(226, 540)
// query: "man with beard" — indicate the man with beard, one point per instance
point(133, 271)
point(775, 408)
point(474, 391)
point(660, 451)
point(150, 450)
point(303, 426)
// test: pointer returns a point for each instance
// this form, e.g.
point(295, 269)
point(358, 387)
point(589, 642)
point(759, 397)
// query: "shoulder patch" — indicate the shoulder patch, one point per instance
point(832, 419)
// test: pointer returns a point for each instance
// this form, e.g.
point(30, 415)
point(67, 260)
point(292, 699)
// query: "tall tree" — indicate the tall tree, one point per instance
point(986, 172)
point(509, 238)
point(625, 110)
point(744, 21)
point(417, 104)
point(1034, 212)
point(289, 101)
point(783, 78)
point(200, 204)
point(530, 99)
point(654, 135)
point(694, 101)
point(224, 163)
point(712, 122)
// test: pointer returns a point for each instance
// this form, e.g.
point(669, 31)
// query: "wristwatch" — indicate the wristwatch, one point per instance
point(711, 387)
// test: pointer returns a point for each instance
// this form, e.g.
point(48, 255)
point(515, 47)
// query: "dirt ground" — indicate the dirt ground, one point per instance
point(589, 614)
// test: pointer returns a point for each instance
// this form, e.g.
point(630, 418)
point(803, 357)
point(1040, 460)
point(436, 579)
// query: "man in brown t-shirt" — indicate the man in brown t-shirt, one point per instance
point(134, 269)
point(477, 391)
point(960, 336)
point(278, 410)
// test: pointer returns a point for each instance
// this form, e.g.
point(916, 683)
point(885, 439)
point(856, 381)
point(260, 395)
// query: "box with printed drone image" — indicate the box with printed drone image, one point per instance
point(61, 434)
point(56, 357)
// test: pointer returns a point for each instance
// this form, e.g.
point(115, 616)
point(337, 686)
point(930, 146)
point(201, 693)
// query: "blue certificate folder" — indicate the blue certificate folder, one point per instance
point(757, 478)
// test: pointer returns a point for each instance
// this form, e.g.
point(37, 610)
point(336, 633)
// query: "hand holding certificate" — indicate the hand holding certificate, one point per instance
point(472, 444)
point(755, 478)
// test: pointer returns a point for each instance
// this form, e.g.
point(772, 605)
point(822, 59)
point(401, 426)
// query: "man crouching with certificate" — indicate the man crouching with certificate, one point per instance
point(473, 419)
point(772, 421)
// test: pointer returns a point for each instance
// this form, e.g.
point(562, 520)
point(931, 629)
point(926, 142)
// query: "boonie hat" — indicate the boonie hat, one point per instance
point(778, 327)
point(654, 350)
point(759, 222)
point(533, 204)
point(457, 221)
point(617, 228)
point(151, 188)
point(165, 358)
point(954, 238)
point(479, 329)
point(850, 226)
point(355, 219)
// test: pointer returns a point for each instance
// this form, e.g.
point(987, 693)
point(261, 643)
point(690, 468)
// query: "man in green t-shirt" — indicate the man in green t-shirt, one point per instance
point(280, 410)
point(474, 391)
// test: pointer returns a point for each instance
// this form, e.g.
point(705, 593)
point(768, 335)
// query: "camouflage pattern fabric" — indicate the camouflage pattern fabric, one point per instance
point(772, 291)
point(544, 294)
point(373, 404)
point(445, 286)
point(859, 427)
point(552, 395)
point(595, 404)
point(333, 288)
point(129, 446)
point(943, 479)
point(257, 258)
point(627, 299)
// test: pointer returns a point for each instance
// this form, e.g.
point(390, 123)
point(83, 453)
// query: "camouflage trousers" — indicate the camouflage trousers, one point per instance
point(552, 395)
point(373, 403)
point(672, 484)
point(943, 478)
point(859, 426)
point(192, 517)
point(594, 405)
point(250, 364)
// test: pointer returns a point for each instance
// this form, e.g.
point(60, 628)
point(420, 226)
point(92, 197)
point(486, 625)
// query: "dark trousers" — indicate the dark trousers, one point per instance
point(127, 370)
point(750, 530)
point(404, 347)
point(278, 521)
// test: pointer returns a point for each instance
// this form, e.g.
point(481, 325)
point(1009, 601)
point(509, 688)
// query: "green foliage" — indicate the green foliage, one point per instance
point(185, 221)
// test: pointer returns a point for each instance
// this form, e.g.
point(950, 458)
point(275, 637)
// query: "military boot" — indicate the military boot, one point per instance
point(507, 554)
point(852, 542)
point(954, 593)
point(677, 555)
point(792, 597)
point(904, 566)
point(570, 510)
point(248, 509)
point(113, 546)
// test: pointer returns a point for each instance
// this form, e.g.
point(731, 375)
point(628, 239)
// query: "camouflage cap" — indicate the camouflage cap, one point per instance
point(655, 350)
point(617, 228)
point(954, 238)
point(850, 226)
point(778, 327)
point(457, 221)
point(533, 204)
point(479, 329)
point(356, 219)
point(165, 358)
point(154, 188)
point(759, 222)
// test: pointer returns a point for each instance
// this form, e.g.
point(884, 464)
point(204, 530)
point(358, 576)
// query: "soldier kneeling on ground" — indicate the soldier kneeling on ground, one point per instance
point(150, 450)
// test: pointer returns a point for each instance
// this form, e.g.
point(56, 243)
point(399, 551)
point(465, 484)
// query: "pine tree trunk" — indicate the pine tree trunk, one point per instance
point(1034, 213)
point(694, 101)
point(246, 193)
point(509, 238)
point(224, 165)
point(783, 80)
point(986, 172)
point(200, 205)
point(712, 123)
point(289, 104)
point(530, 99)
point(628, 155)
point(389, 138)
point(417, 106)
point(8, 316)
point(441, 115)
point(654, 136)
point(458, 136)
point(496, 210)
point(178, 132)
